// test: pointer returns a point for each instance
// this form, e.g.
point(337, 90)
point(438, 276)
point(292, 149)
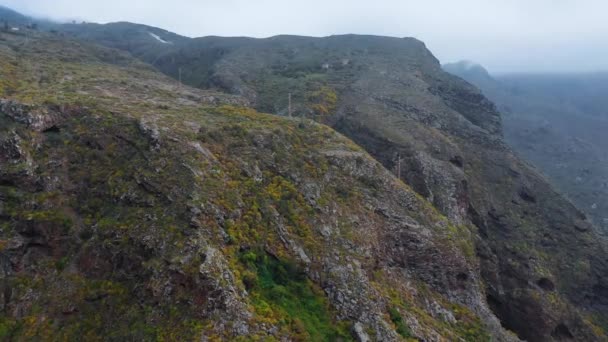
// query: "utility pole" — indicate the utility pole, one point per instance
point(398, 166)
point(289, 106)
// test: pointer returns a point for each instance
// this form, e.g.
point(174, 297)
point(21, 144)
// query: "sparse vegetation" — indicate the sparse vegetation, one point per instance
point(402, 328)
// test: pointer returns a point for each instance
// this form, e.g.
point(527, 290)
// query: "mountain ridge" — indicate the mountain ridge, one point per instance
point(476, 242)
point(164, 240)
point(457, 117)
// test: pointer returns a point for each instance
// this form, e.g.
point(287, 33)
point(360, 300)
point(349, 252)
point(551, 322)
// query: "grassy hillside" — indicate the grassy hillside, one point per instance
point(391, 97)
point(470, 242)
point(134, 208)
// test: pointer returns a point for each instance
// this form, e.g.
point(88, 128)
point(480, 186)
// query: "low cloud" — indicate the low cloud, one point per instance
point(504, 36)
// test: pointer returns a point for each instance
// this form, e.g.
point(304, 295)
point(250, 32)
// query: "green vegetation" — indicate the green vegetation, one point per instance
point(402, 328)
point(281, 290)
point(324, 101)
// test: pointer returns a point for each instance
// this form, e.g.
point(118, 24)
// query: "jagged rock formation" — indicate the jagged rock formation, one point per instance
point(157, 212)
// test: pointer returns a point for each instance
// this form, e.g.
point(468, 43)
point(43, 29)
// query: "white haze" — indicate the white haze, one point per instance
point(503, 35)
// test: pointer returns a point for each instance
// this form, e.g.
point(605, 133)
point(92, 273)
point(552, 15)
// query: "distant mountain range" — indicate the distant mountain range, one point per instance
point(559, 122)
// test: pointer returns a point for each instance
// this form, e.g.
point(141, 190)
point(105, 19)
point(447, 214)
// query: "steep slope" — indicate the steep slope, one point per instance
point(543, 266)
point(557, 122)
point(132, 208)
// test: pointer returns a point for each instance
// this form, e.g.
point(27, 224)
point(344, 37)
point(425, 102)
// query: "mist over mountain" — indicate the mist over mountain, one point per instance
point(10, 15)
point(559, 123)
point(160, 187)
point(506, 36)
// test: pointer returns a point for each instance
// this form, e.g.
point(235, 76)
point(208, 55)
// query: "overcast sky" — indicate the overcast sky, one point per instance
point(503, 35)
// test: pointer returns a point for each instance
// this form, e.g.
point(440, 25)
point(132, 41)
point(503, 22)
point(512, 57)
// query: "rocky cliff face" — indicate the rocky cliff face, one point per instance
point(133, 208)
point(155, 210)
point(557, 122)
point(543, 267)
